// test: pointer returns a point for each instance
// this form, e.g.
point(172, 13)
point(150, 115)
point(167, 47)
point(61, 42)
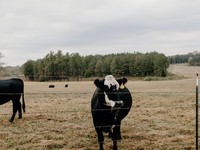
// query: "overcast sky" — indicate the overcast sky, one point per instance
point(30, 29)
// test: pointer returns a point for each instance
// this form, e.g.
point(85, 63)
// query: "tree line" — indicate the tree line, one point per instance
point(192, 58)
point(177, 59)
point(59, 66)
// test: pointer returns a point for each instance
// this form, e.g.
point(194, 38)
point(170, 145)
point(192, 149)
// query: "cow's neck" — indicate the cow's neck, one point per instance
point(109, 102)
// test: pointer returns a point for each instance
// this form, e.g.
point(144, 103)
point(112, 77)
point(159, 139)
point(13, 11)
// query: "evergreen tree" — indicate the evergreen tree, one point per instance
point(105, 68)
point(90, 71)
point(76, 65)
point(98, 66)
point(161, 64)
point(28, 70)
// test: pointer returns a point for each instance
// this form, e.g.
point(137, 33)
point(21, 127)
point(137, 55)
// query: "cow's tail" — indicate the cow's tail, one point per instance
point(23, 103)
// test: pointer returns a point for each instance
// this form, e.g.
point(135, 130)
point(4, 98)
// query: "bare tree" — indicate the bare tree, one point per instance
point(1, 63)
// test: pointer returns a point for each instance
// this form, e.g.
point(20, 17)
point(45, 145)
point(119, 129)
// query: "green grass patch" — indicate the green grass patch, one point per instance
point(169, 77)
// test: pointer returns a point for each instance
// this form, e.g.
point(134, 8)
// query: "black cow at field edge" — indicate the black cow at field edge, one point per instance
point(13, 89)
point(110, 103)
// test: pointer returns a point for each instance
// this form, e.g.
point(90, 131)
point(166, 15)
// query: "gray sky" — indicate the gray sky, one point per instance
point(30, 29)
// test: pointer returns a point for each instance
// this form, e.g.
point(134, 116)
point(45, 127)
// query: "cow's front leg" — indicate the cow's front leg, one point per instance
point(101, 146)
point(12, 118)
point(119, 137)
point(100, 138)
point(116, 135)
point(115, 145)
point(14, 111)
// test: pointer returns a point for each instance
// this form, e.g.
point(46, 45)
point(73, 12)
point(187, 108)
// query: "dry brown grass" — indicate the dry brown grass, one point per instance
point(162, 117)
point(184, 70)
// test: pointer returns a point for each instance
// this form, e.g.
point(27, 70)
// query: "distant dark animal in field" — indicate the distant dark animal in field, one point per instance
point(51, 86)
point(13, 89)
point(110, 103)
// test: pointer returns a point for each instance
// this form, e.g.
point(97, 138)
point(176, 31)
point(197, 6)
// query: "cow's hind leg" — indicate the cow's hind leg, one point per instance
point(19, 107)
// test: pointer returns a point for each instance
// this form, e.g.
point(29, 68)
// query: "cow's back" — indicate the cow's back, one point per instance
point(14, 85)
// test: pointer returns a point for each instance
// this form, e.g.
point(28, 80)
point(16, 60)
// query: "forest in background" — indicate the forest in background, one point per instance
point(59, 66)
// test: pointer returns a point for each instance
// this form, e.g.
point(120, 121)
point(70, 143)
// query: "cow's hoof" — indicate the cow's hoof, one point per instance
point(11, 121)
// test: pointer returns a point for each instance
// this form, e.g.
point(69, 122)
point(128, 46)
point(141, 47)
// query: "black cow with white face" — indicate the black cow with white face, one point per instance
point(13, 89)
point(110, 103)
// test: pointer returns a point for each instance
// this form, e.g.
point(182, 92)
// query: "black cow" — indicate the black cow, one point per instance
point(13, 89)
point(110, 103)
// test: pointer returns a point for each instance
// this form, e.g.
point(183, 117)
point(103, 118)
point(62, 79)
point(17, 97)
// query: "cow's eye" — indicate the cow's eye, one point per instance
point(113, 87)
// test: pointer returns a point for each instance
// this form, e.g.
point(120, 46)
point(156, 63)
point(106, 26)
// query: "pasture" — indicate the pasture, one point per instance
point(162, 116)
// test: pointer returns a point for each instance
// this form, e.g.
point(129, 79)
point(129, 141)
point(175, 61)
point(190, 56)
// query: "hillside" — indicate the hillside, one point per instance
point(184, 70)
point(11, 71)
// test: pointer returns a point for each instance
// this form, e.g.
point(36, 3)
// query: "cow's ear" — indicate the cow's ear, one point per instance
point(122, 81)
point(119, 81)
point(99, 83)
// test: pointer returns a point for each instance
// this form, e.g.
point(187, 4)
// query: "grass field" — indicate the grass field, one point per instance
point(162, 116)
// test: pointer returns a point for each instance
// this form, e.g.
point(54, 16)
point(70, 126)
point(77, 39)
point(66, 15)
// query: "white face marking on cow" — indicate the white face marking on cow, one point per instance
point(110, 80)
